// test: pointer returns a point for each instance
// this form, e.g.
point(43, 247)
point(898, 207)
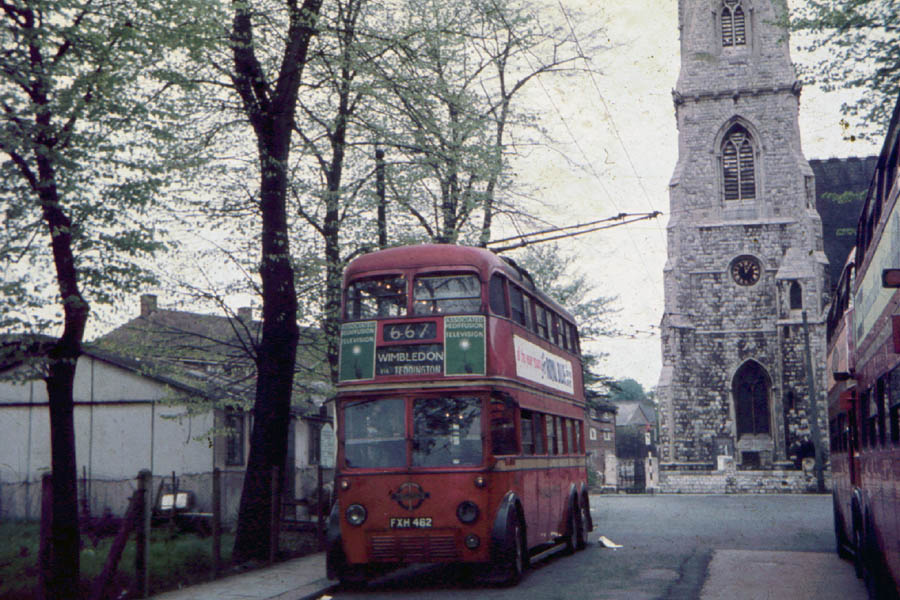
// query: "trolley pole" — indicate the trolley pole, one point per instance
point(813, 409)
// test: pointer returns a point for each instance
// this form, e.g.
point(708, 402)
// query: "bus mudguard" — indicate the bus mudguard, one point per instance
point(499, 535)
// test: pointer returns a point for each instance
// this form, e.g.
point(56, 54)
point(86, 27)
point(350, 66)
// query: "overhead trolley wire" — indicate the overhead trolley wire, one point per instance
point(557, 233)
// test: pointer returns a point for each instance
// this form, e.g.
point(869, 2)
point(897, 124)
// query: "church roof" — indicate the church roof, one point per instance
point(798, 264)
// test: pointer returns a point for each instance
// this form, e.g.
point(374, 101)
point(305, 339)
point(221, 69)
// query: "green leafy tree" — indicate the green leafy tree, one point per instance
point(554, 273)
point(450, 79)
point(627, 390)
point(855, 45)
point(87, 94)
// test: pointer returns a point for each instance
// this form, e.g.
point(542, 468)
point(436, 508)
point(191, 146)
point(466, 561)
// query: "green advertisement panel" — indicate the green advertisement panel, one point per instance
point(357, 351)
point(464, 345)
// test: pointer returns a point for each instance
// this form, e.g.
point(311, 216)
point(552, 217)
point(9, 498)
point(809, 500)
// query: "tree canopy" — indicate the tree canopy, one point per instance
point(854, 45)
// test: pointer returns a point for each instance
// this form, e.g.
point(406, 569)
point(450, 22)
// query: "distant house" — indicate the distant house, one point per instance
point(601, 441)
point(168, 391)
point(636, 438)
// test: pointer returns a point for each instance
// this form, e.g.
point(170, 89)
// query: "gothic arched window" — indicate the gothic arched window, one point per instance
point(750, 389)
point(796, 294)
point(734, 28)
point(737, 165)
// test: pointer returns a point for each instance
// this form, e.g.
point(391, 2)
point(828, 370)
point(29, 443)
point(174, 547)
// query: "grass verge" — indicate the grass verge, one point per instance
point(176, 559)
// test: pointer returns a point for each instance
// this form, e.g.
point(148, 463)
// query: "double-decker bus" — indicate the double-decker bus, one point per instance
point(864, 393)
point(460, 415)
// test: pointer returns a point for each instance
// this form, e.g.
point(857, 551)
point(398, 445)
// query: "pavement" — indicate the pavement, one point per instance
point(298, 579)
point(732, 575)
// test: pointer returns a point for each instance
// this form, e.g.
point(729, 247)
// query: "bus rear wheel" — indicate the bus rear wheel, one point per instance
point(571, 538)
point(582, 524)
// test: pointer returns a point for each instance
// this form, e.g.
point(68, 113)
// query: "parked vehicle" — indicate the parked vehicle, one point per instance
point(460, 417)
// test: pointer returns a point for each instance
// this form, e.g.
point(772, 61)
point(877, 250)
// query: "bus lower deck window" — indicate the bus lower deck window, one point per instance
point(525, 421)
point(446, 432)
point(374, 434)
point(503, 428)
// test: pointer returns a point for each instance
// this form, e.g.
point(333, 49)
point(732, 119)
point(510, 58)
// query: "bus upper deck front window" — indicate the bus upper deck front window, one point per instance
point(374, 434)
point(380, 297)
point(447, 294)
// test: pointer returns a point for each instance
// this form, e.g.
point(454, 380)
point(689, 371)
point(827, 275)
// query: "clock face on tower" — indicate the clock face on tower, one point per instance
point(745, 270)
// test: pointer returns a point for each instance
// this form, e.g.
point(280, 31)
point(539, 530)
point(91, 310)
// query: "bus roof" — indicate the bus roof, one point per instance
point(442, 255)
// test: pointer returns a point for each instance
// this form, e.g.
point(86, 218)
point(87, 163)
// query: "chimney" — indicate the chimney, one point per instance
point(245, 314)
point(148, 304)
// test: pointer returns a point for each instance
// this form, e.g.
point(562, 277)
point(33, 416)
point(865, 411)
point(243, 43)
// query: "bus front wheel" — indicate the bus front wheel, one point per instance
point(514, 560)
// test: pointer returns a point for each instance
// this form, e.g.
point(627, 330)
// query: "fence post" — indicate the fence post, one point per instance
point(174, 499)
point(320, 525)
point(274, 524)
point(217, 521)
point(44, 558)
point(142, 554)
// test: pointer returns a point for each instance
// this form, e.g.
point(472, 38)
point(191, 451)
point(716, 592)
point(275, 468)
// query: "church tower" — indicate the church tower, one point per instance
point(745, 262)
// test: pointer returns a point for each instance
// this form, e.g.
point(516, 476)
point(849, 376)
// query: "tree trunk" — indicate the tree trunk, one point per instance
point(270, 110)
point(275, 362)
point(64, 579)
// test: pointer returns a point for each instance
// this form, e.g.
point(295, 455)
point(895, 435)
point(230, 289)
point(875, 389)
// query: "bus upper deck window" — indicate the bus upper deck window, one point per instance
point(517, 305)
point(498, 296)
point(381, 297)
point(447, 294)
point(541, 318)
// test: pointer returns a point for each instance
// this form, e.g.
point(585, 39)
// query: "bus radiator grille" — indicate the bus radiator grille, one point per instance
point(391, 548)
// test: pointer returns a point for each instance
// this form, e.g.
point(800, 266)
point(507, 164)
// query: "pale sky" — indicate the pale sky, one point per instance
point(616, 150)
point(624, 124)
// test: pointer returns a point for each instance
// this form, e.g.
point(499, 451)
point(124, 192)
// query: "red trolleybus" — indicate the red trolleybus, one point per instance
point(864, 398)
point(460, 413)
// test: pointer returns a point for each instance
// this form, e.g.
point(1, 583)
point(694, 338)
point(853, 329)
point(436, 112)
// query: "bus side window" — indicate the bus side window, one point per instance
point(516, 304)
point(503, 428)
point(564, 335)
point(579, 447)
point(552, 445)
point(879, 407)
point(541, 319)
point(526, 304)
point(893, 394)
point(525, 419)
point(498, 295)
point(576, 347)
point(554, 332)
point(864, 419)
point(539, 445)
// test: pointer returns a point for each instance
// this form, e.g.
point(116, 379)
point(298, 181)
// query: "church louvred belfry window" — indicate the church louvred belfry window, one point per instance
point(737, 165)
point(734, 27)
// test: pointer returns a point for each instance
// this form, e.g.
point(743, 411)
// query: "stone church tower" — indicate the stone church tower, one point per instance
point(745, 261)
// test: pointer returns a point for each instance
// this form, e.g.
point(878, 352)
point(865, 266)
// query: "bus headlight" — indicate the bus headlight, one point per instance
point(467, 511)
point(356, 514)
point(472, 541)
